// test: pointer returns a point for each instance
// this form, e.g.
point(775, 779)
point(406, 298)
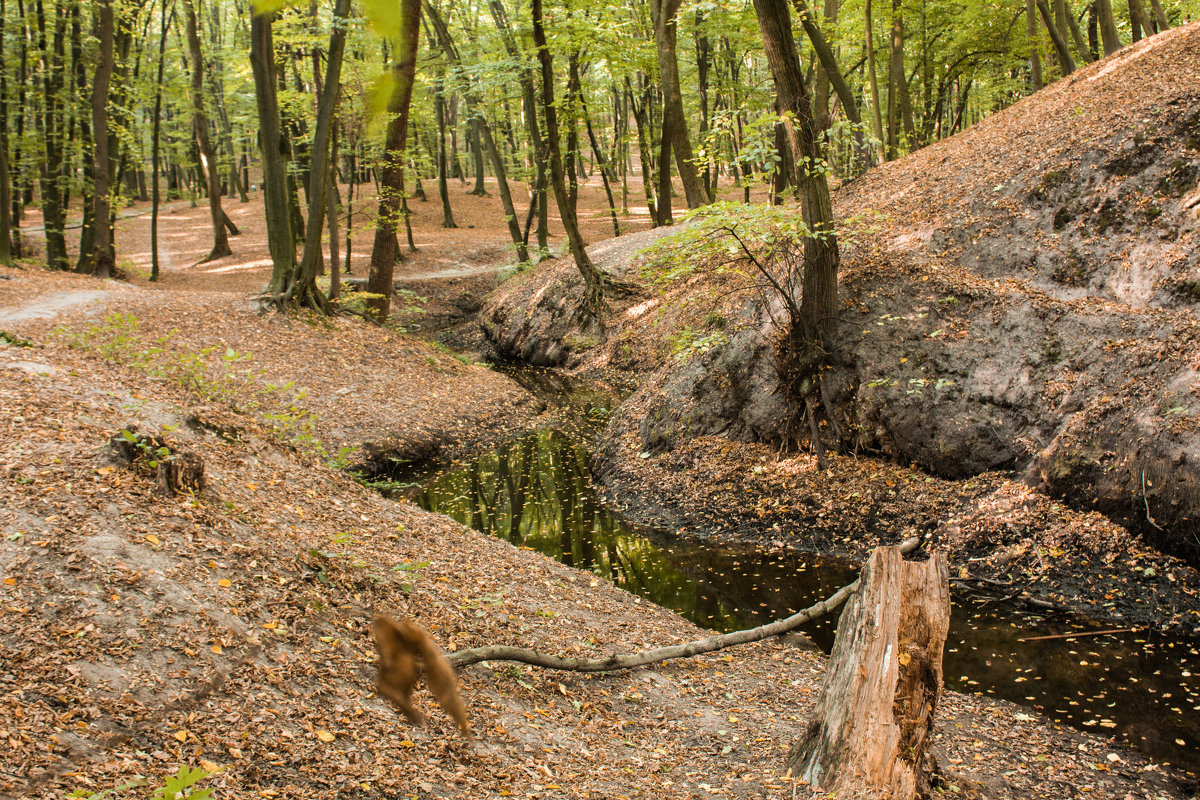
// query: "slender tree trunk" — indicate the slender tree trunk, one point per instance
point(675, 132)
point(818, 303)
point(1108, 27)
point(102, 191)
point(1069, 24)
point(1139, 20)
point(281, 240)
point(1034, 35)
point(639, 119)
point(876, 113)
point(304, 291)
point(484, 132)
point(52, 78)
point(6, 250)
point(593, 298)
point(895, 78)
point(538, 143)
point(208, 158)
point(1060, 44)
point(156, 139)
point(480, 189)
point(1160, 16)
point(383, 253)
point(443, 190)
point(331, 217)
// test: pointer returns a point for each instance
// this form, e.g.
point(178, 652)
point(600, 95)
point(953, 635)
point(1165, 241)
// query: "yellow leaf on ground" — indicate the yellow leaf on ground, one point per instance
point(407, 743)
point(325, 736)
point(224, 582)
point(152, 539)
point(181, 735)
point(210, 766)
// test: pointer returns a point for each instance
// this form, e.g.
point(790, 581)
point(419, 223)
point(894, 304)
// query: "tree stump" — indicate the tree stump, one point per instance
point(870, 731)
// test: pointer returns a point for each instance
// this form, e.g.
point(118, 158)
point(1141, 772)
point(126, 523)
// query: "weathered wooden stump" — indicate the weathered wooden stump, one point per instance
point(870, 731)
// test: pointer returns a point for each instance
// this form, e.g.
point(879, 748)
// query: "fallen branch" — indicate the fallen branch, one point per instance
point(613, 663)
point(1078, 634)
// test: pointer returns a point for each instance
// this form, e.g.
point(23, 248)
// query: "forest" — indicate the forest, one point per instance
point(456, 398)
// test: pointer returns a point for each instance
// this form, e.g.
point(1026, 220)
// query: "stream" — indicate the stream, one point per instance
point(536, 492)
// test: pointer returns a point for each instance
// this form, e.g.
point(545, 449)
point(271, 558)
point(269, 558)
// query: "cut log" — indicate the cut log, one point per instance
point(870, 731)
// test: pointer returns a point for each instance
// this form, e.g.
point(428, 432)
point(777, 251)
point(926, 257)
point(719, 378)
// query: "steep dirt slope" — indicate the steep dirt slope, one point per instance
point(226, 629)
point(1020, 297)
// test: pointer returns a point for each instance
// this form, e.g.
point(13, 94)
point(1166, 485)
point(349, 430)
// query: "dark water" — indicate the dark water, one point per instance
point(536, 492)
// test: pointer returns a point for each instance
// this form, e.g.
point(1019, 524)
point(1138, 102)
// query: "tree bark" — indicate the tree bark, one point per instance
point(818, 306)
point(870, 730)
point(1060, 44)
point(53, 209)
point(439, 102)
point(1108, 27)
point(208, 156)
point(876, 113)
point(484, 132)
point(103, 266)
point(1034, 35)
point(6, 250)
point(304, 291)
point(675, 132)
point(156, 139)
point(1140, 20)
point(281, 241)
point(591, 303)
point(1160, 16)
point(383, 252)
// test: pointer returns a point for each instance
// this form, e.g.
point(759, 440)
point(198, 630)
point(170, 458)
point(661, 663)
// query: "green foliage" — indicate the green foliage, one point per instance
point(705, 242)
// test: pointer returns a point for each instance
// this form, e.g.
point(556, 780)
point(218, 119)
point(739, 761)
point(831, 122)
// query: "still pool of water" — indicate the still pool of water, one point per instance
point(537, 492)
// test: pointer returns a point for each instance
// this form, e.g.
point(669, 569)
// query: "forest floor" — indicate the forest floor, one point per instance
point(228, 628)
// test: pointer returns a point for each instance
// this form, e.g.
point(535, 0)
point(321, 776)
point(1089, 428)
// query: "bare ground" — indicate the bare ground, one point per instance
point(228, 628)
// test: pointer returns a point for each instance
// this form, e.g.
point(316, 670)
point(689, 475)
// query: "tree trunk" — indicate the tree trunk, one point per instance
point(479, 190)
point(1068, 23)
point(592, 301)
point(53, 211)
point(1108, 27)
point(1139, 20)
point(281, 241)
point(484, 134)
point(305, 292)
point(876, 113)
point(208, 156)
point(1160, 16)
point(895, 78)
point(1035, 41)
point(6, 250)
point(818, 305)
point(675, 132)
point(871, 728)
point(156, 140)
point(1056, 36)
point(103, 266)
point(439, 103)
point(383, 252)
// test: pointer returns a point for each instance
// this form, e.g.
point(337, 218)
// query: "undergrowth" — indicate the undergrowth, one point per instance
point(212, 373)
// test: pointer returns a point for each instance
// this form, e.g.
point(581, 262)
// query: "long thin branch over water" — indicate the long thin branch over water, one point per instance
point(711, 644)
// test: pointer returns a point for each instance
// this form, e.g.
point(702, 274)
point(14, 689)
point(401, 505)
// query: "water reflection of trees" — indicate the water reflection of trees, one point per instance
point(536, 492)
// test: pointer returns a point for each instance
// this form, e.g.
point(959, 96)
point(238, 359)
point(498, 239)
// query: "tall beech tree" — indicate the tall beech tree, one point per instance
point(102, 260)
point(281, 239)
point(592, 302)
point(818, 304)
point(208, 154)
point(404, 40)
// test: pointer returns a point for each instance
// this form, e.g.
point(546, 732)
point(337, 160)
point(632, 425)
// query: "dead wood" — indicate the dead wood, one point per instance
point(870, 731)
